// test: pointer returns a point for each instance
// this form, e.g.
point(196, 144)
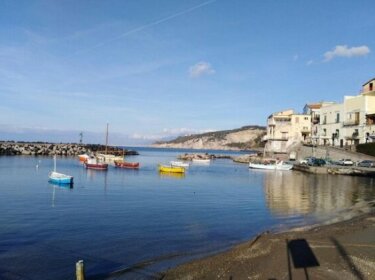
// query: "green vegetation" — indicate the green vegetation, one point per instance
point(368, 149)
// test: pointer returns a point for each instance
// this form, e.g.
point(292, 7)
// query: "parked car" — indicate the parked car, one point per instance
point(306, 161)
point(317, 162)
point(313, 161)
point(366, 163)
point(346, 162)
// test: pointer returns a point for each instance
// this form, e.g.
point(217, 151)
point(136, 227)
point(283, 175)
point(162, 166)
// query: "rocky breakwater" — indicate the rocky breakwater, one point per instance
point(50, 149)
point(42, 149)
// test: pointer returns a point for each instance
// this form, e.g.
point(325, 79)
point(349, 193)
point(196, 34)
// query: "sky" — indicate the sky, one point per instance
point(156, 69)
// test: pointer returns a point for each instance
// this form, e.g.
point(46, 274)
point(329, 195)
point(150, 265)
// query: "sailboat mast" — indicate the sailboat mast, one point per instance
point(106, 140)
point(54, 163)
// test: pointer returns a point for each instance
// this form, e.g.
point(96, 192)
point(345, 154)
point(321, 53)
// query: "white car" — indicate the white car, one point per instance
point(346, 162)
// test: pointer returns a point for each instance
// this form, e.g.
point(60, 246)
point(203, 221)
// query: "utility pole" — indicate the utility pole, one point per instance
point(80, 137)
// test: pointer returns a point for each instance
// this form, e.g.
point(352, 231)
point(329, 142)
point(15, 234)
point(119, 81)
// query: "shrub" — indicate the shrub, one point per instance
point(368, 149)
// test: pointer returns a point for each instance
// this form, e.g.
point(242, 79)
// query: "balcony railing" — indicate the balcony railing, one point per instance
point(351, 122)
point(315, 120)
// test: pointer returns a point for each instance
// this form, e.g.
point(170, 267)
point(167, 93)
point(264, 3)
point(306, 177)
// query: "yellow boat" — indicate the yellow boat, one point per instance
point(169, 168)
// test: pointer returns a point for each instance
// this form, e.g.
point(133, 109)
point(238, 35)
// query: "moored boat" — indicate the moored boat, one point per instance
point(201, 160)
point(170, 168)
point(124, 164)
point(179, 164)
point(59, 178)
point(93, 163)
point(271, 165)
point(83, 157)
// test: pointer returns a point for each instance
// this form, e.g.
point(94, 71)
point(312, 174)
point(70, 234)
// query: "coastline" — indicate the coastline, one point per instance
point(342, 250)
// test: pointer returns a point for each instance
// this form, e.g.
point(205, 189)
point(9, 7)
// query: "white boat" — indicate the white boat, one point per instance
point(59, 178)
point(201, 160)
point(272, 165)
point(179, 164)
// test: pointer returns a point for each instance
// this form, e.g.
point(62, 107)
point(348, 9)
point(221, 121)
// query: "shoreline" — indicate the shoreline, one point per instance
point(342, 248)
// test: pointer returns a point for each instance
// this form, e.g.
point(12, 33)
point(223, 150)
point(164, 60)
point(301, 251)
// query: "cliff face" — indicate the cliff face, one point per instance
point(243, 138)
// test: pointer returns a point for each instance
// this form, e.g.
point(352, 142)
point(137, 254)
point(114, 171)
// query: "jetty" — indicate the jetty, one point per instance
point(11, 148)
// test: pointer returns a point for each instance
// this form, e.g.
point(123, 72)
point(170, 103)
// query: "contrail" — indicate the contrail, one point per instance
point(142, 27)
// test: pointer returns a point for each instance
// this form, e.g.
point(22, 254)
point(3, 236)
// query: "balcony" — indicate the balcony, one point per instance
point(351, 122)
point(315, 120)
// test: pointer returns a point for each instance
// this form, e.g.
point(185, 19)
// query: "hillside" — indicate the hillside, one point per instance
point(246, 137)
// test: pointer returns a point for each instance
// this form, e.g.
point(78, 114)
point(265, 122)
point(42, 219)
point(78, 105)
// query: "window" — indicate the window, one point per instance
point(306, 118)
point(297, 119)
point(337, 117)
point(337, 133)
point(324, 131)
point(370, 87)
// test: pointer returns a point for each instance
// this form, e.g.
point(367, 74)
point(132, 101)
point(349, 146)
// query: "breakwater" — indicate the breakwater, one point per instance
point(50, 149)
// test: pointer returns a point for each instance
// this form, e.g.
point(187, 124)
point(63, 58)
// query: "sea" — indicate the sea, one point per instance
point(134, 224)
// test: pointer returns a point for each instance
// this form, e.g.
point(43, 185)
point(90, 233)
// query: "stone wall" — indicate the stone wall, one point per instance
point(42, 149)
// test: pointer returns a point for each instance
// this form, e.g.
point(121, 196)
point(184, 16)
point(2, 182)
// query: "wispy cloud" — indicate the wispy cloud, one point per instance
point(308, 63)
point(201, 69)
point(345, 51)
point(295, 57)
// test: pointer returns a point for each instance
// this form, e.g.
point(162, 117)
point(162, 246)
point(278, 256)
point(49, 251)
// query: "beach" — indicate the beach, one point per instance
point(343, 250)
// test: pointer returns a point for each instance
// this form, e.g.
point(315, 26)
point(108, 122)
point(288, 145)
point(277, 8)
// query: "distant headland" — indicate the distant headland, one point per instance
point(244, 138)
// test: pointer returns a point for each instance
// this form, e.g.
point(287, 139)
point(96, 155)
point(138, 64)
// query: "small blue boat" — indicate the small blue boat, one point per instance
point(59, 178)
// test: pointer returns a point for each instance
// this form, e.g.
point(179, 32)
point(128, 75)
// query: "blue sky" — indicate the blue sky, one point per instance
point(155, 69)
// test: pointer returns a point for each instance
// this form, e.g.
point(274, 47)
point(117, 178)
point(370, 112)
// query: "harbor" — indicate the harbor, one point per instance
point(104, 217)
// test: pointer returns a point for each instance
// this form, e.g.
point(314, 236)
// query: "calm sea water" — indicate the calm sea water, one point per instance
point(139, 222)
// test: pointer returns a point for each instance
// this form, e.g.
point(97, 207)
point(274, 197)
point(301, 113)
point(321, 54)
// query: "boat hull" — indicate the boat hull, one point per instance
point(172, 169)
point(179, 164)
point(97, 166)
point(271, 166)
point(127, 165)
point(203, 161)
point(59, 178)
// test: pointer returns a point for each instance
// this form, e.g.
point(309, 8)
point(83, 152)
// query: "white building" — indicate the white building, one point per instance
point(286, 128)
point(351, 122)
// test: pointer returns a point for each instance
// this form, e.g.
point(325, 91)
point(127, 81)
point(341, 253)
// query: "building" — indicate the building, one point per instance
point(330, 130)
point(351, 122)
point(314, 110)
point(285, 129)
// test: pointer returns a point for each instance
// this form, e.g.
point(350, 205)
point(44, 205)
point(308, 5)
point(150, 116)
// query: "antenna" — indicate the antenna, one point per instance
point(106, 140)
point(80, 137)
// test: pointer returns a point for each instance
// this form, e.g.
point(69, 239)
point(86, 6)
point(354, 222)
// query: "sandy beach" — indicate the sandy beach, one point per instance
point(343, 250)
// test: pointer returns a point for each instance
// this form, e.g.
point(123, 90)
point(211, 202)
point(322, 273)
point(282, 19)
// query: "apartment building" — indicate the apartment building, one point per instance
point(351, 122)
point(286, 128)
point(314, 110)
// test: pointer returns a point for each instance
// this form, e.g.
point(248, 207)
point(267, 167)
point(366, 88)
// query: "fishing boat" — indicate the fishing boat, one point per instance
point(179, 164)
point(125, 164)
point(59, 178)
point(170, 168)
point(109, 158)
point(271, 165)
point(83, 157)
point(201, 160)
point(93, 163)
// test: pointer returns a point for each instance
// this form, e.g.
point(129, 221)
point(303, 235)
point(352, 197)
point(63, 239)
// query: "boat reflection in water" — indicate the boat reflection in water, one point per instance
point(295, 193)
point(163, 175)
point(58, 187)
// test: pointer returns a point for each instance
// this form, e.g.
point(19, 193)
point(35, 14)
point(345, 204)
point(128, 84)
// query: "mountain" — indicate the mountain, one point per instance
point(246, 137)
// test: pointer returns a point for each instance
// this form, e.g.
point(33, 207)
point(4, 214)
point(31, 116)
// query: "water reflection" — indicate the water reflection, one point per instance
point(58, 186)
point(164, 175)
point(297, 193)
